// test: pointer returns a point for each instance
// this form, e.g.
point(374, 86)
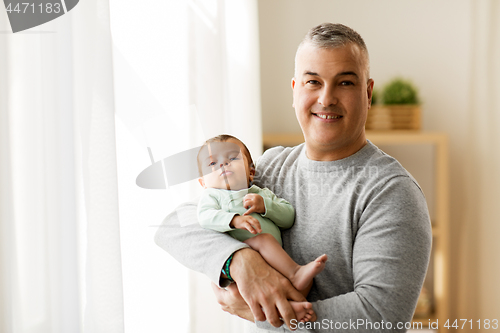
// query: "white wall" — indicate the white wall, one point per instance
point(423, 40)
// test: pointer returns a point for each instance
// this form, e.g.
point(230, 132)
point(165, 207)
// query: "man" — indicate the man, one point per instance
point(352, 201)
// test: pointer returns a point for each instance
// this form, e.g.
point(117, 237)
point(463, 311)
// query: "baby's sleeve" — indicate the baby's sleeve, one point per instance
point(278, 210)
point(210, 214)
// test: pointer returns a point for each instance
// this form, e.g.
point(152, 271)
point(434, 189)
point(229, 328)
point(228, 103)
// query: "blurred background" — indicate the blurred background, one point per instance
point(449, 50)
point(84, 96)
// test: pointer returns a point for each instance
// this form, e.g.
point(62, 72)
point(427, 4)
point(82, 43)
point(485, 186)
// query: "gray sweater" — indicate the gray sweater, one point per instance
point(365, 212)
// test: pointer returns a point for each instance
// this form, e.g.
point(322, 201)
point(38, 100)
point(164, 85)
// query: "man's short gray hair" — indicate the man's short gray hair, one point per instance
point(333, 35)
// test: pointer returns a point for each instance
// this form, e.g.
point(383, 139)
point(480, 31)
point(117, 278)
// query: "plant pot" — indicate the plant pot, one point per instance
point(393, 117)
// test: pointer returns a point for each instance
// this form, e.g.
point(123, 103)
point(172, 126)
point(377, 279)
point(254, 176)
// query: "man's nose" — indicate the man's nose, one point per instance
point(327, 97)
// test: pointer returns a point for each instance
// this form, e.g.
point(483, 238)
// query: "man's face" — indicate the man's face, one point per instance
point(235, 173)
point(331, 97)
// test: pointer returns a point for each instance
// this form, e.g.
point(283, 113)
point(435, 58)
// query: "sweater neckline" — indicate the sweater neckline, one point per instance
point(327, 166)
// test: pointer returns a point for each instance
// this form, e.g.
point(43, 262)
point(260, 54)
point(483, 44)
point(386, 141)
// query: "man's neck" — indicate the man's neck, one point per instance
point(334, 153)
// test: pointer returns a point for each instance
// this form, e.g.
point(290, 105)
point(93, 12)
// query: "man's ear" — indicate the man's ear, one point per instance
point(293, 87)
point(369, 91)
point(202, 183)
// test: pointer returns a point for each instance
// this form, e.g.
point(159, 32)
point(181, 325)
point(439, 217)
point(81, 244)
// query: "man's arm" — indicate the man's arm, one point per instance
point(264, 289)
point(185, 240)
point(390, 256)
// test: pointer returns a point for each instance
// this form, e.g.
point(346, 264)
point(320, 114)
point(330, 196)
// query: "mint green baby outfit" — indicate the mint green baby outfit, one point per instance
point(217, 208)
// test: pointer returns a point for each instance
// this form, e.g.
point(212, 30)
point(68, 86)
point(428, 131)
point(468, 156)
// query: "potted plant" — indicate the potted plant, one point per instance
point(400, 108)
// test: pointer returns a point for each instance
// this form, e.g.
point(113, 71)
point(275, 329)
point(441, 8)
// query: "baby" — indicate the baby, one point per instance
point(250, 214)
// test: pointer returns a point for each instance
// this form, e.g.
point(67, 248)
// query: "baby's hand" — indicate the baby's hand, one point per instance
point(246, 222)
point(255, 202)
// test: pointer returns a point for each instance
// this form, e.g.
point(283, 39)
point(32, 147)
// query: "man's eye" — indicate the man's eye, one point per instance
point(346, 83)
point(313, 82)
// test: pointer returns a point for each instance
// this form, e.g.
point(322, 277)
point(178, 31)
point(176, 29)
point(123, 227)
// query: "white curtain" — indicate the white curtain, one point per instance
point(178, 72)
point(480, 263)
point(184, 72)
point(224, 68)
point(225, 87)
point(60, 247)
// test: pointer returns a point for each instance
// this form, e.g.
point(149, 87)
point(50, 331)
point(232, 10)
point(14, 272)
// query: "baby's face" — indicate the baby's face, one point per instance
point(234, 175)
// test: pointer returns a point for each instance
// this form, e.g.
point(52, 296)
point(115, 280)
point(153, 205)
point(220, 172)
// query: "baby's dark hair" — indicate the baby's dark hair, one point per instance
point(225, 138)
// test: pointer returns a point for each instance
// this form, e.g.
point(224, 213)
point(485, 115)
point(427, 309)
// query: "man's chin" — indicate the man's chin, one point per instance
point(323, 140)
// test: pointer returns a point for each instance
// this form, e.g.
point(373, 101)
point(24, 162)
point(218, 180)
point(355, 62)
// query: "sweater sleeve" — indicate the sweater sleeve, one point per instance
point(278, 210)
point(186, 241)
point(391, 251)
point(210, 214)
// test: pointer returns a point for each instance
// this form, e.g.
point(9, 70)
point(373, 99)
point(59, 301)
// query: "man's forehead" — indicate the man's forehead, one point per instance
point(311, 59)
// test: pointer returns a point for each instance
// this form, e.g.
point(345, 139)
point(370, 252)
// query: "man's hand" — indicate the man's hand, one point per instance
point(264, 289)
point(246, 222)
point(255, 202)
point(232, 302)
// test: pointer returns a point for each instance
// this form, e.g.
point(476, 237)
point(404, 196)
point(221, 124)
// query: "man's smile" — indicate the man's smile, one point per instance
point(327, 116)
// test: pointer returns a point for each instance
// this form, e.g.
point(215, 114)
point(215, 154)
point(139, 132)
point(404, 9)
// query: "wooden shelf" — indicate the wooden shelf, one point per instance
point(440, 224)
point(285, 139)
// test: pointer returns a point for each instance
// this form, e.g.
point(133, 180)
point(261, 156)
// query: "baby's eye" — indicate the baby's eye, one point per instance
point(234, 158)
point(212, 163)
